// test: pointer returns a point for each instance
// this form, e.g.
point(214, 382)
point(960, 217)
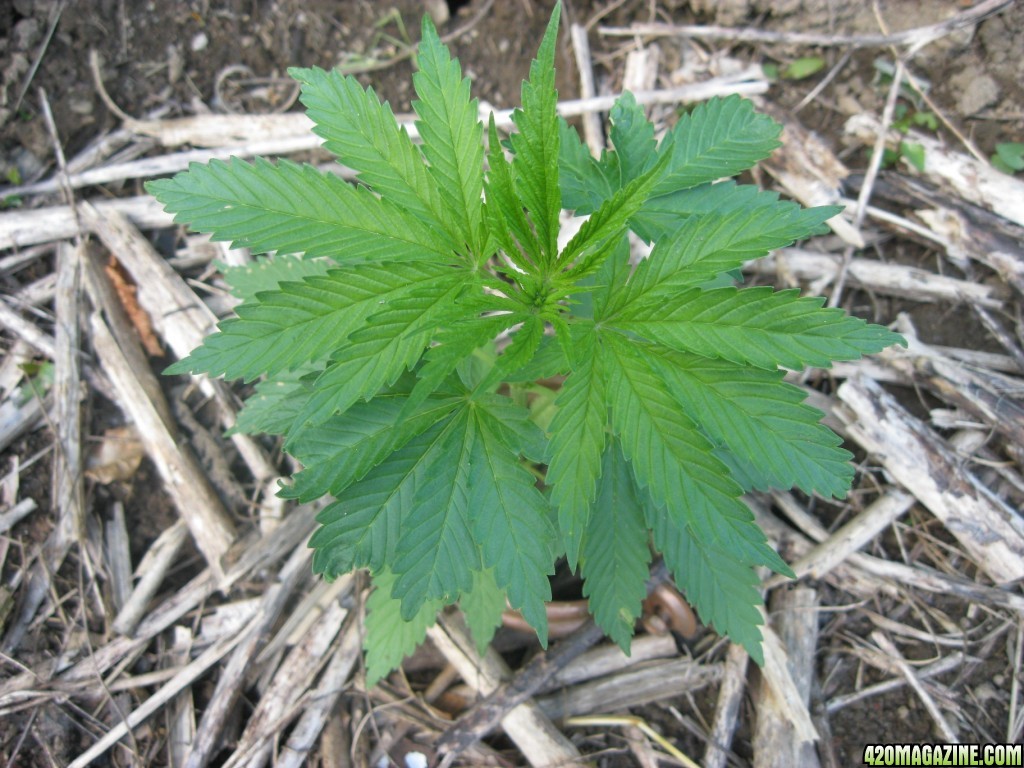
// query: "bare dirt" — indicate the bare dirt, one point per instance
point(176, 58)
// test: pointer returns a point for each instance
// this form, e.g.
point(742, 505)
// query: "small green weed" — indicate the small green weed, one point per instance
point(1009, 157)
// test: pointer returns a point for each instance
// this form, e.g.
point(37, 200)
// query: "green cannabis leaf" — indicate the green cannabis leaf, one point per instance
point(404, 325)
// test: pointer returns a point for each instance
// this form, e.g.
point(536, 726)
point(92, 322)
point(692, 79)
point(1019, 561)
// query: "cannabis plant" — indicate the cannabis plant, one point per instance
point(412, 356)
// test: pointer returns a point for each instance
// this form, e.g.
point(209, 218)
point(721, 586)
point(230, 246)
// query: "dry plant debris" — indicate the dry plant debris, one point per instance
point(165, 613)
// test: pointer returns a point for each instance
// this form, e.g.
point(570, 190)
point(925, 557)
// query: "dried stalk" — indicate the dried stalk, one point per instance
point(68, 487)
point(251, 553)
point(609, 659)
point(292, 133)
point(46, 225)
point(69, 490)
point(970, 179)
point(890, 650)
point(153, 568)
point(727, 708)
point(592, 133)
point(783, 688)
point(922, 462)
point(991, 397)
point(35, 581)
point(854, 535)
point(16, 514)
point(139, 395)
point(919, 577)
point(118, 557)
point(162, 165)
point(865, 575)
point(486, 715)
point(940, 667)
point(631, 688)
point(238, 670)
point(178, 315)
point(795, 614)
point(158, 700)
point(964, 230)
point(913, 39)
point(539, 740)
point(322, 700)
point(181, 717)
point(279, 702)
point(16, 420)
point(876, 276)
point(27, 331)
point(809, 171)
